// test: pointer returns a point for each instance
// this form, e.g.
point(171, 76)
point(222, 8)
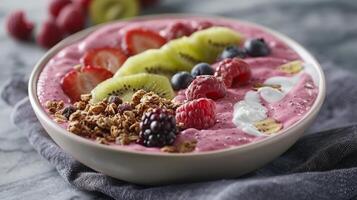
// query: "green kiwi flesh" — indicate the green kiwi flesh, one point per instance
point(126, 86)
point(101, 11)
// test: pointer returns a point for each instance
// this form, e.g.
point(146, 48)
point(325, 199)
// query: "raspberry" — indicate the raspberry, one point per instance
point(71, 19)
point(49, 34)
point(206, 86)
point(199, 114)
point(233, 70)
point(56, 6)
point(179, 29)
point(158, 128)
point(18, 27)
point(202, 25)
point(84, 4)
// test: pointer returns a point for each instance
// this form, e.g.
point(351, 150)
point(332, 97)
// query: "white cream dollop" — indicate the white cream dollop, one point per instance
point(249, 111)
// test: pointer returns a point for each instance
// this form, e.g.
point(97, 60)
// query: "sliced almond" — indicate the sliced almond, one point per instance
point(256, 86)
point(293, 67)
point(268, 126)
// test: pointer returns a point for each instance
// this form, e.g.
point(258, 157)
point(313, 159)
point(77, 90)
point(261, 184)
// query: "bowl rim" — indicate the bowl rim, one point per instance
point(303, 53)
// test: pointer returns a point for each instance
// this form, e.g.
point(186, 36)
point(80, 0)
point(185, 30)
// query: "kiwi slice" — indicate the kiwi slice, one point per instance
point(154, 61)
point(101, 11)
point(213, 40)
point(126, 86)
point(185, 52)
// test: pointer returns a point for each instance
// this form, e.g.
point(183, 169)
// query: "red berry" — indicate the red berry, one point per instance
point(82, 80)
point(56, 6)
point(206, 86)
point(199, 114)
point(178, 29)
point(233, 70)
point(202, 25)
point(108, 58)
point(18, 26)
point(71, 19)
point(49, 34)
point(84, 4)
point(139, 40)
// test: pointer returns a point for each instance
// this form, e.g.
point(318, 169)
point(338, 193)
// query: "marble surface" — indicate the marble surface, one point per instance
point(326, 27)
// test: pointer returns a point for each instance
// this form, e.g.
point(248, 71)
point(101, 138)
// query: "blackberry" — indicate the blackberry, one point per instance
point(157, 128)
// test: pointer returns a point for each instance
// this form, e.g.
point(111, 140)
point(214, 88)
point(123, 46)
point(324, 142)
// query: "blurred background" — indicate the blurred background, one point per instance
point(328, 28)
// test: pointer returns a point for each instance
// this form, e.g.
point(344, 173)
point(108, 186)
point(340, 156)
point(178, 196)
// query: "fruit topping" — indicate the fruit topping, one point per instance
point(18, 26)
point(68, 111)
point(292, 67)
point(71, 19)
point(56, 6)
point(199, 114)
point(181, 54)
point(124, 107)
point(268, 126)
point(108, 58)
point(139, 40)
point(232, 71)
point(206, 86)
point(82, 80)
point(114, 99)
point(83, 4)
point(213, 40)
point(233, 52)
point(257, 47)
point(101, 11)
point(181, 80)
point(202, 25)
point(126, 86)
point(157, 128)
point(178, 29)
point(184, 52)
point(153, 61)
point(49, 34)
point(202, 69)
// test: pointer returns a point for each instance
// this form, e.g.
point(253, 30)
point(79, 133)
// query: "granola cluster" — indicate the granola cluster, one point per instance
point(112, 121)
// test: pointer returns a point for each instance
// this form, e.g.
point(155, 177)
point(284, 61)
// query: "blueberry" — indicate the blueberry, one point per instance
point(68, 111)
point(257, 47)
point(202, 69)
point(232, 52)
point(181, 80)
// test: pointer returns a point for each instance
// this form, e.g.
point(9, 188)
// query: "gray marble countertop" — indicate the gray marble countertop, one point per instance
point(326, 27)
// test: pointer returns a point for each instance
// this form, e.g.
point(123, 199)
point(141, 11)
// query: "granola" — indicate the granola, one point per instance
point(111, 121)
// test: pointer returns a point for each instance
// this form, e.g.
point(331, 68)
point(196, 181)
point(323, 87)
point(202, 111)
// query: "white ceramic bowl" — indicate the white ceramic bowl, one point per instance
point(157, 168)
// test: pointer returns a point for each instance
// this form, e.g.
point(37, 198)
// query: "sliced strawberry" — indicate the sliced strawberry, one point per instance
point(108, 58)
point(82, 80)
point(139, 40)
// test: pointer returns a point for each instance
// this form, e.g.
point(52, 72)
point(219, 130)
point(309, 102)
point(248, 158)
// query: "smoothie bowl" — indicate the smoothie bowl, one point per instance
point(172, 98)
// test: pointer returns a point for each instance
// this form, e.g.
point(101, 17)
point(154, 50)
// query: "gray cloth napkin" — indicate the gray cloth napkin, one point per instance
point(321, 165)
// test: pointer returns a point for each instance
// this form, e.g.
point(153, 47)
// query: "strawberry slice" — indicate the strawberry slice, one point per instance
point(108, 58)
point(139, 40)
point(82, 80)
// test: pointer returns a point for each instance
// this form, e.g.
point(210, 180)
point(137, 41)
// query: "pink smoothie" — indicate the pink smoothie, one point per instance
point(225, 133)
